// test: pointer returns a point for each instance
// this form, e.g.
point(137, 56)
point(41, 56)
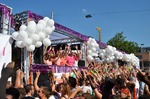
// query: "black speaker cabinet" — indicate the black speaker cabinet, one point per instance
point(81, 63)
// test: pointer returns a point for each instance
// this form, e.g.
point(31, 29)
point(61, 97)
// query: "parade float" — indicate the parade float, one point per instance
point(24, 35)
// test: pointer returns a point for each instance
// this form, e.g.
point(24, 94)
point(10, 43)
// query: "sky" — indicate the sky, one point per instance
point(132, 17)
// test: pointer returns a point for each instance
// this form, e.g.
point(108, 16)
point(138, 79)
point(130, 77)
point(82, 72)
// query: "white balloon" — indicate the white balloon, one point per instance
point(30, 48)
point(47, 42)
point(107, 59)
point(20, 44)
point(88, 43)
point(103, 50)
point(94, 54)
point(46, 35)
point(114, 48)
point(32, 23)
point(90, 39)
point(23, 35)
point(35, 37)
point(89, 52)
point(50, 22)
point(96, 45)
point(92, 44)
point(22, 27)
point(39, 27)
point(53, 28)
point(14, 35)
point(93, 49)
point(42, 22)
point(33, 42)
point(46, 19)
point(27, 41)
point(18, 38)
point(38, 44)
point(48, 30)
point(41, 35)
point(90, 57)
point(31, 28)
point(101, 54)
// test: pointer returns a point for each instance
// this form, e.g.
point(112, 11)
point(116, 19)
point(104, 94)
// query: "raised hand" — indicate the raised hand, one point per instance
point(143, 77)
point(76, 47)
point(38, 73)
point(93, 85)
point(8, 70)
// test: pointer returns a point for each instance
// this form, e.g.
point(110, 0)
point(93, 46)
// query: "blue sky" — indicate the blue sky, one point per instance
point(129, 16)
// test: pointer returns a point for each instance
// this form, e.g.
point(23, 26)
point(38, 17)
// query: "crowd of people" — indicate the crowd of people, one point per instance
point(62, 57)
point(99, 81)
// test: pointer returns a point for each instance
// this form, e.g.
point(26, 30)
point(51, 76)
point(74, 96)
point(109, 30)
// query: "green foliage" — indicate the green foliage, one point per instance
point(119, 41)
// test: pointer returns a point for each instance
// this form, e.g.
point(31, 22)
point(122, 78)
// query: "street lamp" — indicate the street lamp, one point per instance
point(99, 33)
point(141, 47)
point(88, 16)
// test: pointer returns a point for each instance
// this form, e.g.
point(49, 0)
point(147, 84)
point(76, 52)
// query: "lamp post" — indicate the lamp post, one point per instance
point(99, 33)
point(141, 47)
point(88, 16)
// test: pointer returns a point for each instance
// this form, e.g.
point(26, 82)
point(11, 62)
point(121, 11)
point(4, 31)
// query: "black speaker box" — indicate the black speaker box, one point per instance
point(81, 63)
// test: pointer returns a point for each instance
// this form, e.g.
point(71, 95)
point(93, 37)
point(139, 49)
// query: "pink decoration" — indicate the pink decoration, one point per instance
point(3, 54)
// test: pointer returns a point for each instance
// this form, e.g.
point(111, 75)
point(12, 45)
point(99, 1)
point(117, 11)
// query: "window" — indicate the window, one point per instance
point(141, 64)
point(139, 56)
point(146, 64)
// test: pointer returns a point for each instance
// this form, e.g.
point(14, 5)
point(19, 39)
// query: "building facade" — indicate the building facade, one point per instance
point(144, 56)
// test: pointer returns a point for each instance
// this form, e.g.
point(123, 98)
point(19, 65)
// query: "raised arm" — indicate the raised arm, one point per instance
point(6, 73)
point(143, 77)
point(94, 87)
point(78, 89)
point(18, 81)
point(36, 80)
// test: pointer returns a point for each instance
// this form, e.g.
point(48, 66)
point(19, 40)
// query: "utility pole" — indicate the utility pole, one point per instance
point(99, 33)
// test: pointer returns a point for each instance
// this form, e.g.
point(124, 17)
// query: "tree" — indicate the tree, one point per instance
point(119, 41)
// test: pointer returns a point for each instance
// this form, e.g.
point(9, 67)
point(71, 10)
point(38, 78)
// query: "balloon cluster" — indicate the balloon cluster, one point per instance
point(34, 34)
point(92, 49)
point(131, 58)
point(110, 54)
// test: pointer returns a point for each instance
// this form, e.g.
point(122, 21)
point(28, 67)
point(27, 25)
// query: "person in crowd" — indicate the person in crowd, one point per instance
point(65, 91)
point(8, 84)
point(12, 93)
point(43, 92)
point(72, 83)
point(57, 59)
point(70, 59)
point(67, 49)
point(29, 88)
point(22, 92)
point(141, 88)
point(49, 56)
point(97, 81)
point(63, 58)
point(19, 79)
point(47, 59)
